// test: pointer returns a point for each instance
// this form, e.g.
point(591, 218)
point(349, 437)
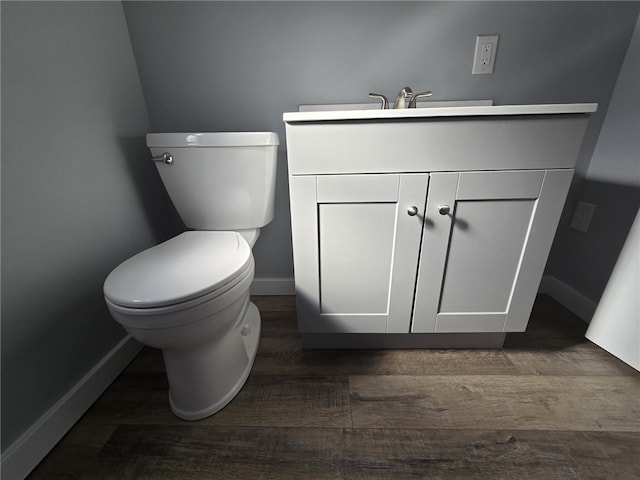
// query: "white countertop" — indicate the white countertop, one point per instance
point(340, 115)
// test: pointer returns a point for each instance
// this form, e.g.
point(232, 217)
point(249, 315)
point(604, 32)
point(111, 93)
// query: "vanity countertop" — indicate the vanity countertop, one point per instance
point(412, 113)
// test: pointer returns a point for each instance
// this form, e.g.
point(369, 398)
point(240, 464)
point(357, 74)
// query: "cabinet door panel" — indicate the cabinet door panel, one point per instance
point(485, 247)
point(359, 251)
point(356, 251)
point(483, 276)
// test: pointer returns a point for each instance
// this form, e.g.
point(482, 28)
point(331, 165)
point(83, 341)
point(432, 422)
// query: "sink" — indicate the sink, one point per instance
point(376, 106)
point(445, 138)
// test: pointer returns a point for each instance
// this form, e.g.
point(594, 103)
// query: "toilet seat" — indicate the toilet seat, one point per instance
point(191, 268)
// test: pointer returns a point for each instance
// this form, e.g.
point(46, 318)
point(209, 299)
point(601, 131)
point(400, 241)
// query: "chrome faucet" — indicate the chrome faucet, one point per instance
point(401, 98)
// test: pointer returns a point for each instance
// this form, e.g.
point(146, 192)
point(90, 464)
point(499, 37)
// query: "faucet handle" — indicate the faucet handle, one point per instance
point(385, 100)
point(414, 98)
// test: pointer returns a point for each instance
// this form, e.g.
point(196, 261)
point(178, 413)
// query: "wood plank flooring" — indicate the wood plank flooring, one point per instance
point(550, 405)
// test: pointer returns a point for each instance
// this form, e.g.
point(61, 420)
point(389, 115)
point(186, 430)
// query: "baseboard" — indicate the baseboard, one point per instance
point(568, 297)
point(273, 286)
point(34, 444)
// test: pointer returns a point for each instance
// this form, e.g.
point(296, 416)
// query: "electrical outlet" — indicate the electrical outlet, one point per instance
point(582, 216)
point(485, 56)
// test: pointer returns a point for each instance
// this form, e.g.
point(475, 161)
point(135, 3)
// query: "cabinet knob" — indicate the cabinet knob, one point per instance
point(444, 209)
point(412, 211)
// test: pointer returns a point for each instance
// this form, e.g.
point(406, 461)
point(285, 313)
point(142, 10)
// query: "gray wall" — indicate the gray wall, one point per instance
point(237, 66)
point(585, 260)
point(76, 197)
point(616, 158)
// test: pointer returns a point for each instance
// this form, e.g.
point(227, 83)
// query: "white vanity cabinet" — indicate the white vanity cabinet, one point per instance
point(401, 246)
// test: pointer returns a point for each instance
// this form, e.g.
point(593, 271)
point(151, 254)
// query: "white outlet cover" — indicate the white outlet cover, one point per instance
point(582, 216)
point(484, 58)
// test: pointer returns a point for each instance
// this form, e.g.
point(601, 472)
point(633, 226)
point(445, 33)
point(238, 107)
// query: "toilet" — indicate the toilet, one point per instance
point(189, 296)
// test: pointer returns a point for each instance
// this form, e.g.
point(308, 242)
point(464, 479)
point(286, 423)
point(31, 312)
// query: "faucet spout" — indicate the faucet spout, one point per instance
point(401, 98)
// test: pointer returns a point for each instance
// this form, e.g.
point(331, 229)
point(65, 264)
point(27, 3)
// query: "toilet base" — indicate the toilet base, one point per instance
point(203, 380)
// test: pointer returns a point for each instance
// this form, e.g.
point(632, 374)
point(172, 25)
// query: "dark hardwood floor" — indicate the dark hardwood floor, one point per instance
point(549, 405)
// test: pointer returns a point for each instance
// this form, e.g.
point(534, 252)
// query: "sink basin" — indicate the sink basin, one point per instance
point(376, 106)
point(476, 137)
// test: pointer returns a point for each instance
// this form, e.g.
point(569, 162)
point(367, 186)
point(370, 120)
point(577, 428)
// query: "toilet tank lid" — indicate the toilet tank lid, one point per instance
point(213, 139)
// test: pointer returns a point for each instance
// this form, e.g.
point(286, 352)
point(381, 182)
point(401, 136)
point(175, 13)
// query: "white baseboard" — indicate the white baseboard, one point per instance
point(273, 286)
point(568, 297)
point(34, 444)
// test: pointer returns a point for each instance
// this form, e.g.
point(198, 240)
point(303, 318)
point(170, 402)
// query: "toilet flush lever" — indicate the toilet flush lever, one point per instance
point(166, 157)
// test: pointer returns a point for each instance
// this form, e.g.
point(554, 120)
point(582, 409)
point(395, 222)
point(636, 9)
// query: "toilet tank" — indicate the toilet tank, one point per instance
point(219, 181)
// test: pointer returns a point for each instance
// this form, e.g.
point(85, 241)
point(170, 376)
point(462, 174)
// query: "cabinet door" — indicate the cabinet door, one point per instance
point(356, 250)
point(482, 262)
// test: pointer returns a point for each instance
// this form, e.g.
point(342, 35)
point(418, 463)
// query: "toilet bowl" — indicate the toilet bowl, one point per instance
point(189, 296)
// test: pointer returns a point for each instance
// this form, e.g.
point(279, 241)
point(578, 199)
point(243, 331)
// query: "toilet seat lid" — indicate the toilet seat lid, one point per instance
point(180, 269)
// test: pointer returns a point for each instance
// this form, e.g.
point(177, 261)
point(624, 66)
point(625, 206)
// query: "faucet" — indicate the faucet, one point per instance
point(401, 98)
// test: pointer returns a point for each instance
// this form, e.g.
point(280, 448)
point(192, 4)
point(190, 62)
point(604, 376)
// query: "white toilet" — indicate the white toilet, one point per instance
point(189, 296)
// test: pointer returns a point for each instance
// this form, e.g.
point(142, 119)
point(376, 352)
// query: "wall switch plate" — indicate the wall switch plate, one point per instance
point(485, 56)
point(582, 216)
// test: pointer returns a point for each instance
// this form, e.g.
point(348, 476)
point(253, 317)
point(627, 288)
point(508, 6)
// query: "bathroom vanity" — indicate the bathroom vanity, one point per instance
point(425, 227)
